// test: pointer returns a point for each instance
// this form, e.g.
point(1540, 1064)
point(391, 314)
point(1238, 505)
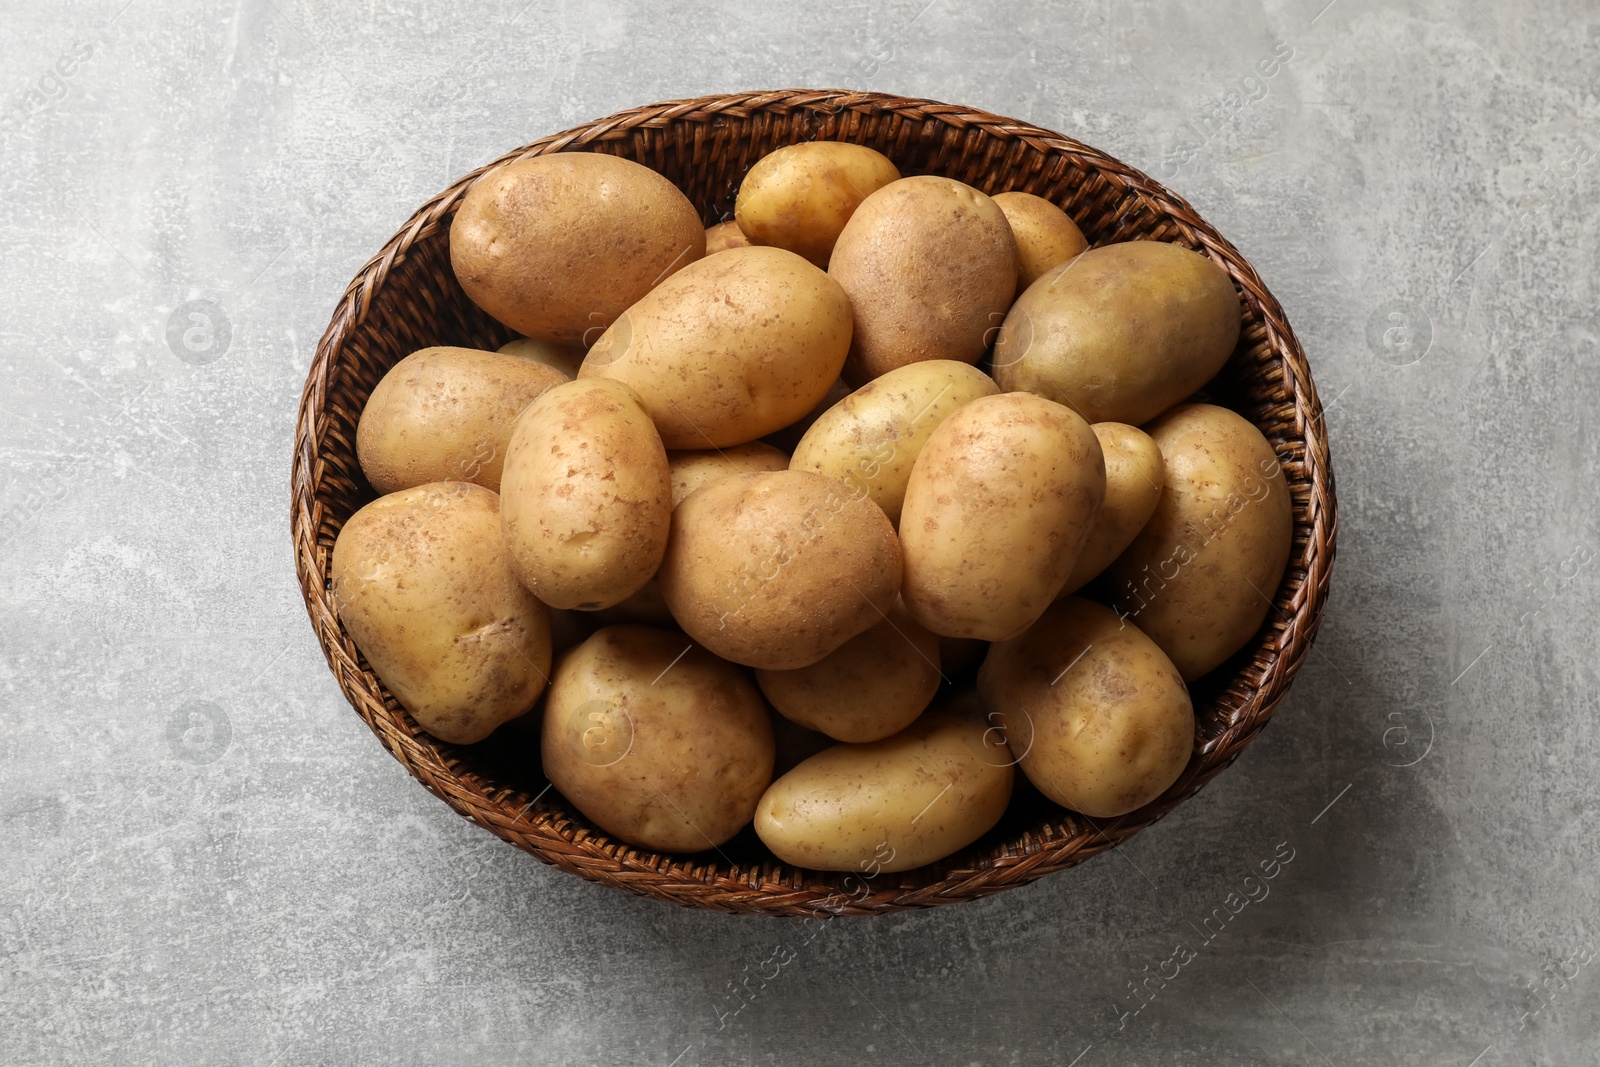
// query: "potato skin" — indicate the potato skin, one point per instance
point(1122, 332)
point(723, 236)
point(871, 439)
point(1199, 577)
point(563, 358)
point(666, 753)
point(426, 592)
point(691, 470)
point(873, 685)
point(776, 570)
point(1134, 476)
point(730, 348)
point(800, 196)
point(998, 508)
point(930, 266)
point(586, 501)
point(1046, 236)
point(557, 246)
point(890, 805)
point(1096, 715)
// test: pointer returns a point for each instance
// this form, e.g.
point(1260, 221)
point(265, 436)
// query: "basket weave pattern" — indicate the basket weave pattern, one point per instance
point(407, 298)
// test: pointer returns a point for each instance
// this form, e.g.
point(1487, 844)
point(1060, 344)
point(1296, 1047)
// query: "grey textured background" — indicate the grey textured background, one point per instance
point(209, 860)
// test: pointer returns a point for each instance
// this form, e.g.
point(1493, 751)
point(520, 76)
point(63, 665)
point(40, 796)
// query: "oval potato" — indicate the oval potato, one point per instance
point(691, 470)
point(800, 196)
point(564, 358)
point(1134, 476)
point(1046, 236)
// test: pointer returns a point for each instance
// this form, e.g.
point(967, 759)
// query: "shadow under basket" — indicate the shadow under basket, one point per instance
point(407, 298)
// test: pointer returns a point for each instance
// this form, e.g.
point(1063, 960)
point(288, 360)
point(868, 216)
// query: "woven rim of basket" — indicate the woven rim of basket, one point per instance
point(1268, 372)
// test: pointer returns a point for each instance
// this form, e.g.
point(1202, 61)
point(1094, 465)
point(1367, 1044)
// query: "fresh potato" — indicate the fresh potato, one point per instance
point(801, 196)
point(873, 685)
point(890, 805)
point(1122, 332)
point(691, 470)
point(1046, 236)
point(1095, 714)
point(559, 357)
point(586, 500)
point(656, 741)
point(930, 266)
point(776, 570)
point(730, 348)
point(445, 414)
point(557, 246)
point(1200, 576)
point(1134, 477)
point(871, 438)
point(998, 507)
point(425, 591)
point(723, 236)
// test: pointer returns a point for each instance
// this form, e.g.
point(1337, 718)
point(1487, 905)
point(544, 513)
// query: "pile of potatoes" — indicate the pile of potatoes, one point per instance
point(732, 526)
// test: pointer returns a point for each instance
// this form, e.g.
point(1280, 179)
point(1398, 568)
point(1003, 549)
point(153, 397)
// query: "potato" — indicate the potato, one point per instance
point(1122, 332)
point(998, 507)
point(691, 470)
point(873, 685)
point(801, 196)
point(729, 348)
point(930, 266)
point(871, 438)
point(586, 501)
point(425, 591)
point(656, 741)
point(723, 236)
point(1200, 576)
point(559, 357)
point(1134, 477)
point(891, 805)
point(776, 570)
point(1046, 236)
point(557, 246)
point(445, 414)
point(1094, 712)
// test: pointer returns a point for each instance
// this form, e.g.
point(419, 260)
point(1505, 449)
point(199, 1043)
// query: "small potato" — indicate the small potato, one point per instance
point(891, 805)
point(723, 236)
point(656, 741)
point(873, 685)
point(930, 266)
point(1120, 333)
point(558, 357)
point(557, 246)
point(801, 196)
point(426, 593)
point(871, 439)
point(1134, 475)
point(1200, 576)
point(586, 500)
point(775, 570)
point(1046, 236)
point(998, 508)
point(730, 348)
point(1096, 715)
point(445, 414)
point(691, 470)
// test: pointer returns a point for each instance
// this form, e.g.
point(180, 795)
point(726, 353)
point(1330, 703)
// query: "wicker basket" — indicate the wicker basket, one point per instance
point(406, 298)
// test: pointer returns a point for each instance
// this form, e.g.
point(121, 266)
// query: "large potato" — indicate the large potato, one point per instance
point(564, 358)
point(930, 266)
point(1134, 476)
point(873, 685)
point(585, 498)
point(778, 569)
point(1096, 715)
point(801, 196)
point(656, 741)
point(557, 246)
point(871, 439)
point(445, 414)
point(1122, 332)
point(691, 470)
point(1200, 577)
point(997, 510)
point(730, 348)
point(891, 805)
point(1046, 236)
point(426, 593)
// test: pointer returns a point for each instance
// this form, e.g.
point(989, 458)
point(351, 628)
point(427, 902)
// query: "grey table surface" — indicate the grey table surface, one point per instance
point(209, 860)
